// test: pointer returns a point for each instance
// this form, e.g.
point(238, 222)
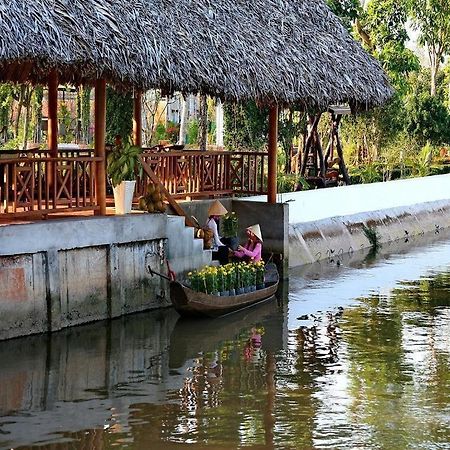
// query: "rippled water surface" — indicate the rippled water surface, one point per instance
point(355, 355)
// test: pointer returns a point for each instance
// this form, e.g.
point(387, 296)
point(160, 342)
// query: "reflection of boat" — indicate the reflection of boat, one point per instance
point(197, 304)
point(188, 339)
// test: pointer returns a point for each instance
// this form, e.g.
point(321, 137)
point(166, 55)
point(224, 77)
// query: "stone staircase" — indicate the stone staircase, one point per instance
point(184, 251)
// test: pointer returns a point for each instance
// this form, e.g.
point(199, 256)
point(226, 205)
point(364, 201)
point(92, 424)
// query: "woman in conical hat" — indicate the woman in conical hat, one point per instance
point(215, 212)
point(252, 250)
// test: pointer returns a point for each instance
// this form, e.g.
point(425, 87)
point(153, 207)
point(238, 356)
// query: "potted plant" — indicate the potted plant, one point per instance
point(123, 165)
point(230, 230)
point(260, 270)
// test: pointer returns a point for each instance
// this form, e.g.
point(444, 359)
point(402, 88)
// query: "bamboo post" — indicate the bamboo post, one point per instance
point(137, 119)
point(52, 135)
point(340, 153)
point(99, 139)
point(52, 130)
point(322, 167)
point(313, 124)
point(273, 147)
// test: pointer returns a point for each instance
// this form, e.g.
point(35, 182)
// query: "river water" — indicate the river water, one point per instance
point(354, 355)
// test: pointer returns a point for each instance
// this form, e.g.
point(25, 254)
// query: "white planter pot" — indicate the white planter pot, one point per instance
point(123, 196)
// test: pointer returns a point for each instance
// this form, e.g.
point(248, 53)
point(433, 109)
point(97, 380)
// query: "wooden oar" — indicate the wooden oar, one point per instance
point(153, 272)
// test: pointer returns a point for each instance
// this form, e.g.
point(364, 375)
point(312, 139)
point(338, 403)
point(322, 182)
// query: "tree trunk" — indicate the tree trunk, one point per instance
point(39, 94)
point(434, 72)
point(19, 111)
point(26, 125)
point(203, 123)
point(219, 125)
point(183, 121)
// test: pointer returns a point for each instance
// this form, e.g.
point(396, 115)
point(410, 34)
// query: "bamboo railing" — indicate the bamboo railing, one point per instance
point(34, 183)
point(193, 173)
point(37, 184)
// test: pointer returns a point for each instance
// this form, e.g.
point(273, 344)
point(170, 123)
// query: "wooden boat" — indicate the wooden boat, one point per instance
point(191, 303)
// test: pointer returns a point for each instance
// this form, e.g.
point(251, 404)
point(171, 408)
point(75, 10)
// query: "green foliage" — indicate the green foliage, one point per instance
point(160, 133)
point(230, 225)
point(291, 124)
point(427, 118)
point(13, 144)
point(346, 10)
point(432, 19)
point(85, 111)
point(372, 236)
point(386, 142)
point(123, 163)
point(371, 172)
point(6, 99)
point(291, 183)
point(246, 126)
point(119, 114)
point(64, 118)
point(192, 132)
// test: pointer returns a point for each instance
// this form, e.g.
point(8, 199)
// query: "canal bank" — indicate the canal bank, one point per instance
point(326, 222)
point(64, 272)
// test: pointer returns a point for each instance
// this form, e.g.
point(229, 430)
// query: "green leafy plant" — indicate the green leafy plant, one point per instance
point(119, 114)
point(123, 163)
point(291, 183)
point(230, 225)
point(372, 236)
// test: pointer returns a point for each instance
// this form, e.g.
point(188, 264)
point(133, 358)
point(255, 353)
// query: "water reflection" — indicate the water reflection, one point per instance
point(353, 360)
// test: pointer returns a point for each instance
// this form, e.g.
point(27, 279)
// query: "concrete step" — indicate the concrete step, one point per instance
point(184, 251)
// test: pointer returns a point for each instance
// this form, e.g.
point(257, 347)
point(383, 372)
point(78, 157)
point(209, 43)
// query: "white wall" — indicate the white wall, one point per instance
point(321, 204)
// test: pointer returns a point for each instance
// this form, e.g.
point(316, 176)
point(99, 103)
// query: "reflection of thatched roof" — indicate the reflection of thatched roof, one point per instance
point(283, 50)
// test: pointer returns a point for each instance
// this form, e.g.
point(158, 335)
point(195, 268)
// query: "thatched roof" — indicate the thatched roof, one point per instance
point(270, 50)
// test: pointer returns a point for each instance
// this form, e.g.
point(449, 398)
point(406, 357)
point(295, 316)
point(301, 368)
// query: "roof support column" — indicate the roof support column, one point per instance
point(273, 148)
point(52, 125)
point(99, 139)
point(137, 119)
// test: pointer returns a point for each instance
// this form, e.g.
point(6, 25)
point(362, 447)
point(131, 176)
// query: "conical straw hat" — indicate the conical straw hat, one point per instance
point(217, 209)
point(256, 230)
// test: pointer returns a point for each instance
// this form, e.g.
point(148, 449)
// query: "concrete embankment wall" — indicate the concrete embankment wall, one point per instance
point(329, 221)
point(59, 273)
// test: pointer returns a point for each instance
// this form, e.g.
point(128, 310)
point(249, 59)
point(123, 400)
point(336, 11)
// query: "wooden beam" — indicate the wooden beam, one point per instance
point(99, 146)
point(318, 144)
point(137, 119)
point(312, 128)
point(273, 148)
point(52, 132)
point(340, 152)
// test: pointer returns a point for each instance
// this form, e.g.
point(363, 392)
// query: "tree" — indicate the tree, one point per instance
point(119, 114)
point(427, 118)
point(246, 126)
point(385, 22)
point(183, 120)
point(432, 19)
point(203, 122)
point(291, 124)
point(346, 10)
point(85, 113)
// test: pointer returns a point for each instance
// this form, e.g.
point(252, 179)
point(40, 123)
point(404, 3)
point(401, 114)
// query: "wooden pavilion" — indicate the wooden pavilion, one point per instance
point(276, 53)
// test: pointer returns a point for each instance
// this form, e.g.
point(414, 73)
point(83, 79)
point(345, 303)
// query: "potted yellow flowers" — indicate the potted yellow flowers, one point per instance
point(230, 279)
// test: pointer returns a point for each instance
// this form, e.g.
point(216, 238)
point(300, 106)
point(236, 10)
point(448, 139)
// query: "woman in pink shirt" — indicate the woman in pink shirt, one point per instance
point(252, 249)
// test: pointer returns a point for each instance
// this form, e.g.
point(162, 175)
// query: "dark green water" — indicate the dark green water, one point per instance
point(355, 355)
